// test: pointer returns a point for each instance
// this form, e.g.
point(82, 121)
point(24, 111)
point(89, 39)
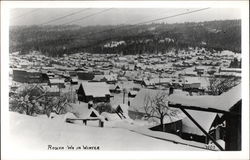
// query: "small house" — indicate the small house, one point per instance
point(94, 91)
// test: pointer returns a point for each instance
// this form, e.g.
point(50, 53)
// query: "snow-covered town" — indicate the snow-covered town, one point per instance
point(110, 94)
point(125, 79)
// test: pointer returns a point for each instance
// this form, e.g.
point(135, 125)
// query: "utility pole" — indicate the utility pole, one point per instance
point(124, 92)
point(123, 96)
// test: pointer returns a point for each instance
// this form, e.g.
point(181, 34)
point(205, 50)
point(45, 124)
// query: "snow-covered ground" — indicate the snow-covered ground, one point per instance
point(36, 133)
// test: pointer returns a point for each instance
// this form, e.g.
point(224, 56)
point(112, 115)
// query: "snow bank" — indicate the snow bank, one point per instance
point(31, 133)
point(111, 116)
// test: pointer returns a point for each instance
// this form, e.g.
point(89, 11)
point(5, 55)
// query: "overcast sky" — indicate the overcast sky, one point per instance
point(103, 16)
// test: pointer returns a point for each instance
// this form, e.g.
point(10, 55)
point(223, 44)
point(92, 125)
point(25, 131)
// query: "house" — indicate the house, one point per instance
point(105, 78)
point(93, 91)
point(191, 83)
point(156, 81)
point(57, 81)
point(227, 104)
point(85, 75)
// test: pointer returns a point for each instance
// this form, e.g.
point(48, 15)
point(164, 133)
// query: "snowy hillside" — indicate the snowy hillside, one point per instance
point(36, 133)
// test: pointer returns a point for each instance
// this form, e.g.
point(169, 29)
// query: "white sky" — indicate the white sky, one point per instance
point(32, 16)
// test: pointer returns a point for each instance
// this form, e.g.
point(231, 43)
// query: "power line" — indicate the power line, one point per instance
point(180, 14)
point(158, 19)
point(90, 15)
point(158, 13)
point(62, 17)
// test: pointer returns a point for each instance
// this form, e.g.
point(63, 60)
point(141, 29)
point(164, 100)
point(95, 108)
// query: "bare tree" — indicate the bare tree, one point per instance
point(32, 100)
point(219, 85)
point(157, 107)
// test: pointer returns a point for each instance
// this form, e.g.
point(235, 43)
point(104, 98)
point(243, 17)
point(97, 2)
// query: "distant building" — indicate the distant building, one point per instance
point(87, 75)
point(106, 78)
point(56, 81)
point(29, 76)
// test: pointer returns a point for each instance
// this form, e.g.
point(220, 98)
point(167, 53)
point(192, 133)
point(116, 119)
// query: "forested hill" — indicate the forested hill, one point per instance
point(151, 38)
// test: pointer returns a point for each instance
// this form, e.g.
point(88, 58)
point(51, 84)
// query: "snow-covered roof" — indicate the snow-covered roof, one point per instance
point(238, 70)
point(222, 102)
point(81, 110)
point(205, 119)
point(112, 77)
point(228, 74)
point(56, 80)
point(96, 89)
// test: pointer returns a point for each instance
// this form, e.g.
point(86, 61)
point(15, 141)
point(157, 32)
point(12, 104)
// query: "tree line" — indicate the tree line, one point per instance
point(59, 40)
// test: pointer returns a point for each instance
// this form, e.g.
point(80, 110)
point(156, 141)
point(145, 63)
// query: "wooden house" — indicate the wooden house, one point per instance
point(227, 104)
point(94, 91)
